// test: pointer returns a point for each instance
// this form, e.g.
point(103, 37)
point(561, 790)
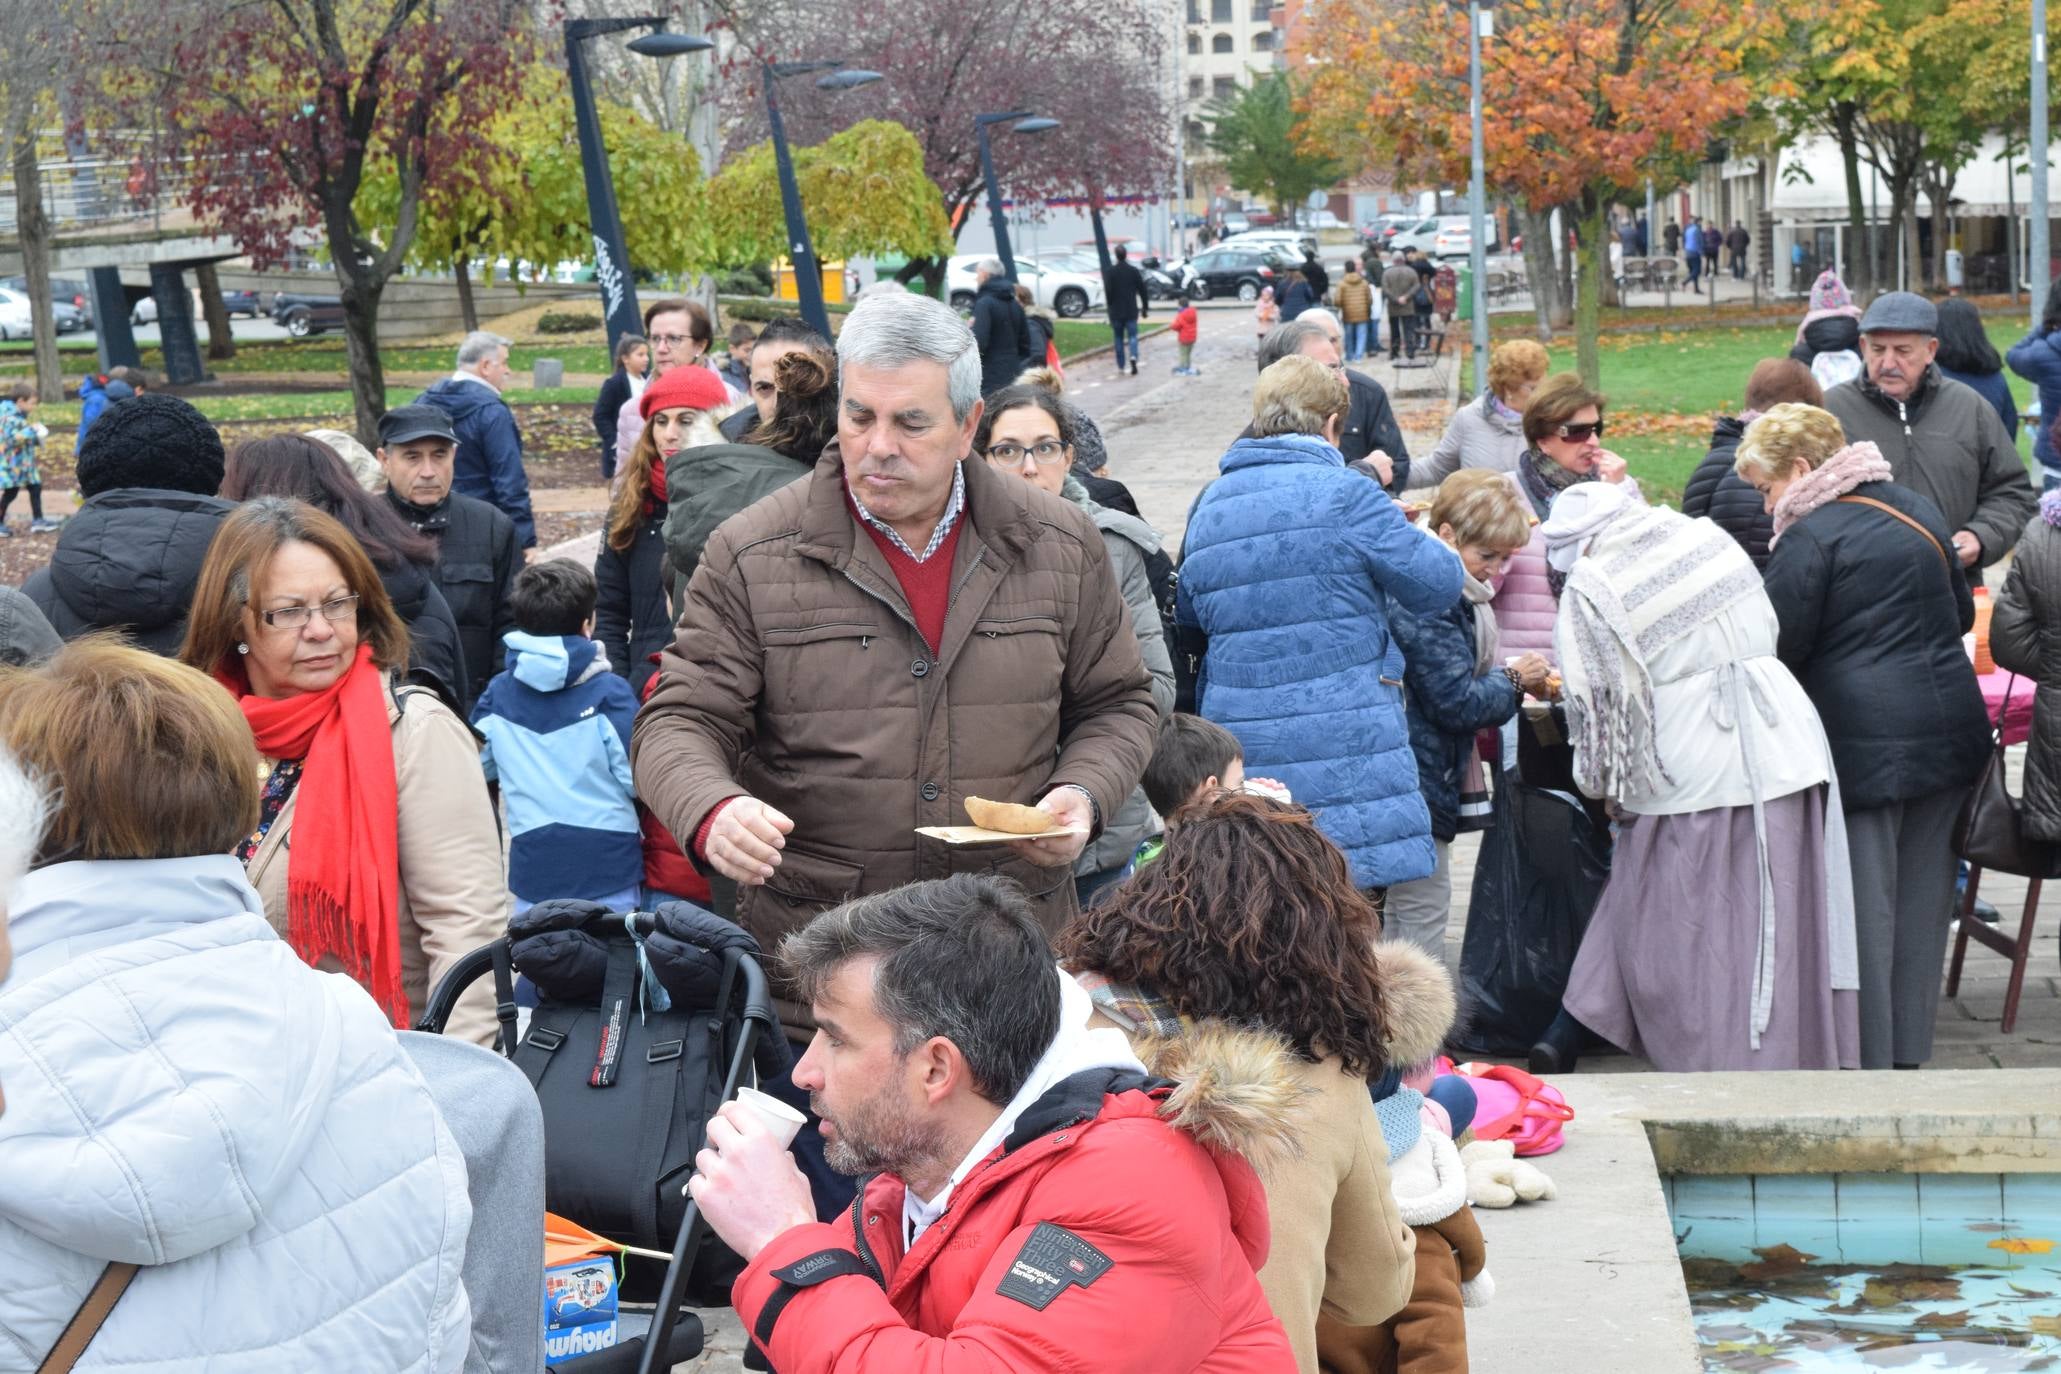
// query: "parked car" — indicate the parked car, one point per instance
point(64, 291)
point(235, 302)
point(16, 321)
point(1234, 222)
point(1442, 236)
point(1072, 294)
point(301, 316)
point(1294, 243)
point(1233, 269)
point(1382, 228)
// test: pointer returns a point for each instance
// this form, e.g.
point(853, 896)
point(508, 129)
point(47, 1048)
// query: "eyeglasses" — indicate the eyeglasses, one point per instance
point(670, 340)
point(1582, 433)
point(1042, 454)
point(297, 617)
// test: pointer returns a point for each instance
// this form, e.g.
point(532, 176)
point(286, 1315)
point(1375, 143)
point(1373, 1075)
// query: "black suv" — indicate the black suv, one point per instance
point(301, 316)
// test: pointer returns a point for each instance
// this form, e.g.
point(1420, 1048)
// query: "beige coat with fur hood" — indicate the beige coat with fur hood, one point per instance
point(1339, 1245)
point(454, 888)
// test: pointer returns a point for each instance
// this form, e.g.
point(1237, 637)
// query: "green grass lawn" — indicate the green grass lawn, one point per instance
point(317, 406)
point(1080, 336)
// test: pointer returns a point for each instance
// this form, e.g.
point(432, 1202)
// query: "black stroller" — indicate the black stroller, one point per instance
point(647, 1023)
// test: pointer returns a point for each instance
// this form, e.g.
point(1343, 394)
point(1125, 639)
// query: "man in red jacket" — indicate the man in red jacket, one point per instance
point(1032, 1201)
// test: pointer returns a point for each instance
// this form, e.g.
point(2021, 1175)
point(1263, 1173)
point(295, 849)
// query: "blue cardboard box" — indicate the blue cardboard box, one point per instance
point(579, 1308)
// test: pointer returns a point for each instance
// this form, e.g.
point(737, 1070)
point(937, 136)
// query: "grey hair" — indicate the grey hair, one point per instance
point(479, 346)
point(991, 266)
point(24, 810)
point(1296, 395)
point(1317, 313)
point(903, 327)
point(961, 958)
point(1285, 340)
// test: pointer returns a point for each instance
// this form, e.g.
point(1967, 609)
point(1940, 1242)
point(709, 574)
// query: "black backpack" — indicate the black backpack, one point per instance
point(626, 1088)
point(1185, 647)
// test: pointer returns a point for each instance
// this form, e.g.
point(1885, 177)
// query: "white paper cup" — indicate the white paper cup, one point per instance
point(781, 1119)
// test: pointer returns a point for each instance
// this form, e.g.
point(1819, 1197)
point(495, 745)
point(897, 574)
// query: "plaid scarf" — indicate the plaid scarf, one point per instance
point(1138, 1010)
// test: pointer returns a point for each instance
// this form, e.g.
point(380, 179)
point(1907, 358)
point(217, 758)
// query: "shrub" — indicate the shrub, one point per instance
point(567, 322)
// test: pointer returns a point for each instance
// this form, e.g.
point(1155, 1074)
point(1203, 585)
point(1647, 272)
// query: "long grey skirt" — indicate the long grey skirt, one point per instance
point(1665, 970)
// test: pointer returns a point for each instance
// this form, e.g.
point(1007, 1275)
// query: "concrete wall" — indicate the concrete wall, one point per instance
point(411, 308)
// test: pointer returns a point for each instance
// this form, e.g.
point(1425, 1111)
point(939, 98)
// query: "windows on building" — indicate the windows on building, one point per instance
point(1194, 44)
point(1219, 11)
point(1220, 43)
point(1223, 88)
point(1263, 41)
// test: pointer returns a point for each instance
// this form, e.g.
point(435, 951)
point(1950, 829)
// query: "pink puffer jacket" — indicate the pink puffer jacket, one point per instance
point(1524, 606)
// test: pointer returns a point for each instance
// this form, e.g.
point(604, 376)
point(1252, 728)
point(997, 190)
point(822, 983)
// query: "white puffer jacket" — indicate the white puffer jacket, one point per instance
point(183, 1092)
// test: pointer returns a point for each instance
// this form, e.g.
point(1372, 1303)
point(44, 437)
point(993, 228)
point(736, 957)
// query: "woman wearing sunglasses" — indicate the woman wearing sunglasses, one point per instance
point(376, 852)
point(1029, 432)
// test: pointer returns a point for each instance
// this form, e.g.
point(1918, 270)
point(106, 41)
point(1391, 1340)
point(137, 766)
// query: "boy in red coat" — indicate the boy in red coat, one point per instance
point(1187, 324)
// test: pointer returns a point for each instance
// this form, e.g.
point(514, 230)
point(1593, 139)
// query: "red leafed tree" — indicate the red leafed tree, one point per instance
point(1100, 67)
point(1582, 100)
point(278, 109)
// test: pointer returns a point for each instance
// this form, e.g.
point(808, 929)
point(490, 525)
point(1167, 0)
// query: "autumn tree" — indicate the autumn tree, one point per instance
point(29, 75)
point(281, 109)
point(863, 193)
point(1583, 100)
point(1098, 66)
point(1254, 131)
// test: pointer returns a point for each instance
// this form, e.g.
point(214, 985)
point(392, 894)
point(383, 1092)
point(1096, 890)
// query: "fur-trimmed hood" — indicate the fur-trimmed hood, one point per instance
point(1236, 1090)
point(1417, 1003)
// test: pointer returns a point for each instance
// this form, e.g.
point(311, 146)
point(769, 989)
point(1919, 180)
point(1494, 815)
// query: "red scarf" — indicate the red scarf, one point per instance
point(343, 869)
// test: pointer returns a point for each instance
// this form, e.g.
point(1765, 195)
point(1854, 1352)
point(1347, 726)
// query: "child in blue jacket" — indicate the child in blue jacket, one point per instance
point(557, 730)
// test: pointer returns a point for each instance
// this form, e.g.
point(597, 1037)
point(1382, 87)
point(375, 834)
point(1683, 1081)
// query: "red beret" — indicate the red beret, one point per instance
point(690, 385)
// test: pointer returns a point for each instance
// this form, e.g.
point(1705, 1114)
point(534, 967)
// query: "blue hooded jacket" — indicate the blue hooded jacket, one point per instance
point(93, 399)
point(1288, 565)
point(557, 731)
point(488, 465)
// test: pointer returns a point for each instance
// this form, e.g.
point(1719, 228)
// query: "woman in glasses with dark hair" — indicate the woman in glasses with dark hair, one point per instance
point(376, 852)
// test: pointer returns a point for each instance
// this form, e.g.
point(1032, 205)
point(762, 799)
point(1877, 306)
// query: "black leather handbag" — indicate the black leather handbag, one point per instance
point(1990, 832)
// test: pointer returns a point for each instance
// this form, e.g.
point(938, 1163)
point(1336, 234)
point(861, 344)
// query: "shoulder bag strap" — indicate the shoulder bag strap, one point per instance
point(85, 1324)
point(1892, 510)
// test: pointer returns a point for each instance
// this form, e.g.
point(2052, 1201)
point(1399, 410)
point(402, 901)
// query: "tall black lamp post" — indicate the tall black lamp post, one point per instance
point(611, 256)
point(808, 274)
point(1026, 123)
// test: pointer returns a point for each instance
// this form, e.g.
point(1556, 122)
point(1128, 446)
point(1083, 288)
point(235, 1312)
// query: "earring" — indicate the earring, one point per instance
point(243, 648)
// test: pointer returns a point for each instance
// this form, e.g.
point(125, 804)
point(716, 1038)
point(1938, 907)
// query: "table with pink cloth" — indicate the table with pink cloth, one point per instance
point(1999, 684)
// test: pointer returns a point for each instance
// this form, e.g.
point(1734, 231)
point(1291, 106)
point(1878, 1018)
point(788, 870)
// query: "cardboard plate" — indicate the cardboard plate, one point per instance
point(979, 834)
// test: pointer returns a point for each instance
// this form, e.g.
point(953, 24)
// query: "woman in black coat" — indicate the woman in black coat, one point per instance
point(632, 356)
point(1722, 494)
point(1872, 606)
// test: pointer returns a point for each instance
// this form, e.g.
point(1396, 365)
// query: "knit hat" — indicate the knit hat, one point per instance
point(152, 440)
point(1901, 312)
point(689, 385)
point(1829, 293)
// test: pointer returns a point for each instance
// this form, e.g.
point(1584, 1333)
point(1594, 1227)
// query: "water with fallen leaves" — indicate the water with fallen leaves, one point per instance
point(1786, 1311)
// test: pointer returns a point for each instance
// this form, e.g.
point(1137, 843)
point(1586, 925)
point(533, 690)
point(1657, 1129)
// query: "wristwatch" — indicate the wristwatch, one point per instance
point(1094, 807)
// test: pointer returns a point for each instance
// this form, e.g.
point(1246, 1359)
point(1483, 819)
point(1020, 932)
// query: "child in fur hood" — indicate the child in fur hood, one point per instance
point(1429, 1336)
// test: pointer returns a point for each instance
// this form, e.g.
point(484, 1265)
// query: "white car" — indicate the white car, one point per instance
point(1442, 236)
point(17, 323)
point(1294, 243)
point(1071, 294)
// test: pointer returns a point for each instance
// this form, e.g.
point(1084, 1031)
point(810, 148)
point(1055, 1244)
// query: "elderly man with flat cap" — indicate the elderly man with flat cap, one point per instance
point(1940, 437)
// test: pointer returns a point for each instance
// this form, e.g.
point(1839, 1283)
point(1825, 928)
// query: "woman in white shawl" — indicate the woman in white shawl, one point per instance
point(1725, 937)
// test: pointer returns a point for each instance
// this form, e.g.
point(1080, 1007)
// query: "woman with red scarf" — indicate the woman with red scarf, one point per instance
point(633, 618)
point(376, 851)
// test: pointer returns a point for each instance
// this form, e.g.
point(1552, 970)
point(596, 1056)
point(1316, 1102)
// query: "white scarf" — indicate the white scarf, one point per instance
point(1478, 595)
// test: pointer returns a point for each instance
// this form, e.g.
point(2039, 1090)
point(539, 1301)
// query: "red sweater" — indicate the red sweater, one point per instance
point(928, 587)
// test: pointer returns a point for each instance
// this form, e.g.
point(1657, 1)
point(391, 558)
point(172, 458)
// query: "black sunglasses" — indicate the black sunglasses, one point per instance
point(1580, 433)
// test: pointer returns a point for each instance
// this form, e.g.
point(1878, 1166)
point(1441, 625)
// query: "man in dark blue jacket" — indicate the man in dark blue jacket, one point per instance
point(1124, 287)
point(489, 465)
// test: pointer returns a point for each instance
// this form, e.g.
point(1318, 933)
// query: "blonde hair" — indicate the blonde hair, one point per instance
point(1513, 364)
point(1789, 434)
point(626, 513)
point(1296, 395)
point(1484, 509)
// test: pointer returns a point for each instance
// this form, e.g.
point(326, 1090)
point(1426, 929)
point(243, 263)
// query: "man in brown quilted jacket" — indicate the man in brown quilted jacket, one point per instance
point(866, 648)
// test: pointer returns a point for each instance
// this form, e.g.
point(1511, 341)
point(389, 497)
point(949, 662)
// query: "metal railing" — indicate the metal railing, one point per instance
point(94, 193)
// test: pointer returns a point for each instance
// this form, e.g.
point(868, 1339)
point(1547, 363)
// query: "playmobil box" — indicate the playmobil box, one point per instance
point(579, 1308)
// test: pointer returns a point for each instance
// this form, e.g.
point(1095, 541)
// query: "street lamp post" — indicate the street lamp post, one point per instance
point(611, 256)
point(1479, 24)
point(1027, 123)
point(801, 254)
point(2036, 148)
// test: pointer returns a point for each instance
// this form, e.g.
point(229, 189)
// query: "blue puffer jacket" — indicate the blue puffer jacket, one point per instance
point(489, 462)
point(1288, 565)
point(2037, 358)
point(1447, 701)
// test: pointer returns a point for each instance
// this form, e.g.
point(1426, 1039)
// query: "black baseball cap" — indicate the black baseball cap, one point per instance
point(403, 423)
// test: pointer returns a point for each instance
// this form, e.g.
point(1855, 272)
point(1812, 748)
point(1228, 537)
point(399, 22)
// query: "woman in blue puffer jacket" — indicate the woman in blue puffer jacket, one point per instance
point(1288, 566)
point(2037, 358)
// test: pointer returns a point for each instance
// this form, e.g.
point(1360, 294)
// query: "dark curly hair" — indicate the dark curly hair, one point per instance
point(1249, 915)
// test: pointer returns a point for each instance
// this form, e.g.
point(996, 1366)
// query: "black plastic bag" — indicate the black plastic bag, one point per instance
point(1542, 866)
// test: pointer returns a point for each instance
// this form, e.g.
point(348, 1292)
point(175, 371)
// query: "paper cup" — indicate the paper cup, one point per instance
point(781, 1119)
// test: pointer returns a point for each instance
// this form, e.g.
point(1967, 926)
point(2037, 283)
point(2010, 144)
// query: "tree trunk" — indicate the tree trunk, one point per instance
point(221, 344)
point(34, 233)
point(1564, 253)
point(1588, 298)
point(361, 348)
point(1939, 187)
point(1858, 263)
point(468, 309)
point(1540, 269)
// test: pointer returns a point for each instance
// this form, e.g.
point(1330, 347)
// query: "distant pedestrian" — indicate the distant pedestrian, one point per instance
point(489, 464)
point(1320, 281)
point(1713, 244)
point(2037, 358)
point(1266, 313)
point(1671, 238)
point(1399, 293)
point(1296, 297)
point(1355, 310)
point(21, 442)
point(1000, 329)
point(1187, 325)
point(632, 357)
point(1645, 231)
point(1967, 356)
point(1692, 253)
point(1736, 240)
point(1043, 325)
point(1124, 288)
point(736, 368)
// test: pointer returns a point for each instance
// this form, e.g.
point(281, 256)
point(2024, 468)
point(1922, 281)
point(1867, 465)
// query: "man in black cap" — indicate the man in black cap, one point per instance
point(1940, 437)
point(128, 561)
point(477, 553)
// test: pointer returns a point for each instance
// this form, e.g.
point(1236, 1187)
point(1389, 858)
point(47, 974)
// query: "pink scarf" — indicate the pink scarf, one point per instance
point(1826, 483)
